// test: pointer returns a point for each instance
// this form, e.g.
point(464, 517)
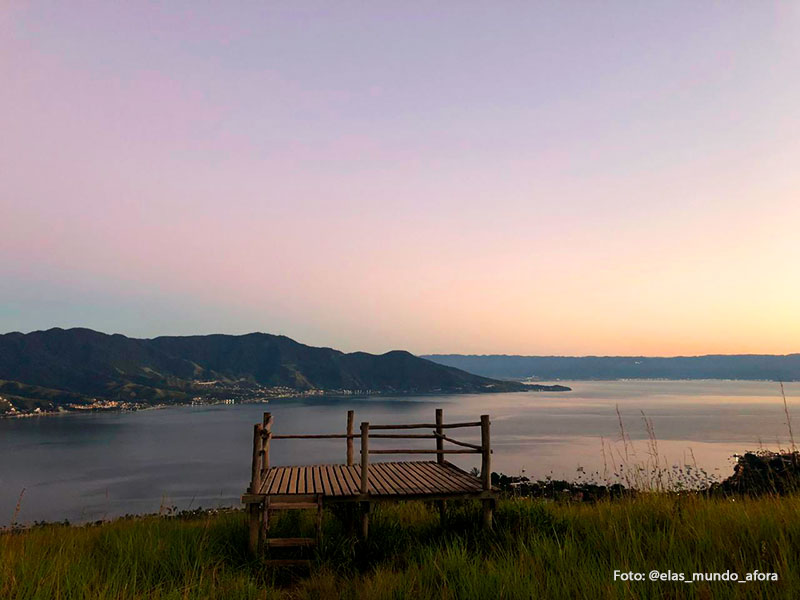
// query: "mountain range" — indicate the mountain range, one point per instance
point(75, 368)
point(551, 368)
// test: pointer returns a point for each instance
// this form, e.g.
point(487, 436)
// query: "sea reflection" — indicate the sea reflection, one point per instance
point(88, 467)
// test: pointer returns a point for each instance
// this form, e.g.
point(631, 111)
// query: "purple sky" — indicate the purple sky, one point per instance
point(514, 177)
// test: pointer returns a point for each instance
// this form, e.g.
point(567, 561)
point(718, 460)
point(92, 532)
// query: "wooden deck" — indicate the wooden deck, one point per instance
point(274, 488)
point(389, 480)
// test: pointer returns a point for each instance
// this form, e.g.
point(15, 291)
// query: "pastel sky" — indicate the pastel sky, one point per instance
point(476, 177)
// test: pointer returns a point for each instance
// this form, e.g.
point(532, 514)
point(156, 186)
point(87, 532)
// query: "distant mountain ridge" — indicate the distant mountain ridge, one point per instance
point(73, 367)
point(549, 368)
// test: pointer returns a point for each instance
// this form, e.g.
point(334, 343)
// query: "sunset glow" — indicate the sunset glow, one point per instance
point(460, 179)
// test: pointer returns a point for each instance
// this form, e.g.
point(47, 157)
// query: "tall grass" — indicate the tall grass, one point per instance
point(538, 550)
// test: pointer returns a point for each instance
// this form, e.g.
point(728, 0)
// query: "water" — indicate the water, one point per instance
point(94, 466)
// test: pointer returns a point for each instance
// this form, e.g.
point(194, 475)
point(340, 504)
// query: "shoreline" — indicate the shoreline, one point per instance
point(299, 395)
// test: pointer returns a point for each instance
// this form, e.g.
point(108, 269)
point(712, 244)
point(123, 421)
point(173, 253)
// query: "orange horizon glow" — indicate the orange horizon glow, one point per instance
point(534, 181)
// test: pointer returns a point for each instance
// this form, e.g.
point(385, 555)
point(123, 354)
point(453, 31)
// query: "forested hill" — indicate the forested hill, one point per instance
point(549, 368)
point(74, 367)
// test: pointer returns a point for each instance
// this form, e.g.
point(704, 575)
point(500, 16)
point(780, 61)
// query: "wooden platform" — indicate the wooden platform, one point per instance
point(275, 488)
point(388, 479)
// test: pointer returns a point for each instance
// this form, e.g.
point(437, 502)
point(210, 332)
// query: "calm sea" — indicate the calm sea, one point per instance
point(95, 466)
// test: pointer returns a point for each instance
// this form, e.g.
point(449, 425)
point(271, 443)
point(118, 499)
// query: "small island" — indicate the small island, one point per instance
point(537, 387)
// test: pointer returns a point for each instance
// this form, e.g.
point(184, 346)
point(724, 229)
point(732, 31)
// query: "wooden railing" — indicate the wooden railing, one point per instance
point(263, 435)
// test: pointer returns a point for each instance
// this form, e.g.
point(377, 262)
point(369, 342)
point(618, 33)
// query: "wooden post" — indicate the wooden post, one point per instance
point(364, 457)
point(439, 433)
point(486, 470)
point(255, 474)
point(266, 436)
point(319, 521)
point(254, 513)
point(350, 415)
point(365, 507)
point(440, 458)
point(265, 514)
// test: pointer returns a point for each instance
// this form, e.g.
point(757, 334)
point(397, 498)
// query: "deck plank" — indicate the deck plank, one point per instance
point(292, 480)
point(353, 482)
point(336, 470)
point(267, 481)
point(316, 481)
point(327, 490)
point(414, 477)
point(279, 481)
point(436, 477)
point(398, 484)
point(284, 482)
point(379, 472)
point(467, 479)
point(396, 479)
point(420, 477)
point(423, 477)
point(383, 486)
point(410, 483)
point(348, 487)
point(440, 479)
point(336, 489)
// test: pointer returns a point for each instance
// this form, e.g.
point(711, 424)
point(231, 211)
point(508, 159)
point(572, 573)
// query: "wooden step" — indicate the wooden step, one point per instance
point(286, 542)
point(293, 506)
point(287, 562)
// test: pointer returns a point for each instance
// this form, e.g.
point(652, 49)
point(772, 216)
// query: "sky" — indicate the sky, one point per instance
point(470, 177)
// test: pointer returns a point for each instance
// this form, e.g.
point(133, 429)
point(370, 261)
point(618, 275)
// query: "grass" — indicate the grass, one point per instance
point(539, 549)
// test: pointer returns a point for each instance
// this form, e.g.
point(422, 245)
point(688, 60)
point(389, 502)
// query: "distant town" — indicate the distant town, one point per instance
point(217, 392)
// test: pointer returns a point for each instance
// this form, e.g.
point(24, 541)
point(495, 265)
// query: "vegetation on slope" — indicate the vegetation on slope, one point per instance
point(539, 549)
point(75, 367)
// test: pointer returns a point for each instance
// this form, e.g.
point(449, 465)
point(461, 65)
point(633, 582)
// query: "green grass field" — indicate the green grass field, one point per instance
point(539, 549)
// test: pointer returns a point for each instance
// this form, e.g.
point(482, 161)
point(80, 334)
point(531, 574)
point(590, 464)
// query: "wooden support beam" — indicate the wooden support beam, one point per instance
point(457, 442)
point(254, 517)
point(364, 456)
point(311, 436)
point(366, 508)
point(486, 470)
point(486, 451)
point(350, 416)
point(403, 436)
point(266, 435)
point(319, 520)
point(439, 433)
point(265, 515)
point(422, 451)
point(255, 473)
point(488, 510)
point(290, 542)
point(427, 425)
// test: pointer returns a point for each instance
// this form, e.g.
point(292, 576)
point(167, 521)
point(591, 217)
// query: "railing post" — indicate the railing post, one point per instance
point(255, 475)
point(365, 506)
point(266, 436)
point(440, 460)
point(486, 470)
point(439, 433)
point(364, 457)
point(486, 451)
point(350, 415)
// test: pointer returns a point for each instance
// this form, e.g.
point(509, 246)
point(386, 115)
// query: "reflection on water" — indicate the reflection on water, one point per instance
point(87, 467)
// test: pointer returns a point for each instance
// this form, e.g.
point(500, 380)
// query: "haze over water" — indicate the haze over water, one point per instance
point(88, 467)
